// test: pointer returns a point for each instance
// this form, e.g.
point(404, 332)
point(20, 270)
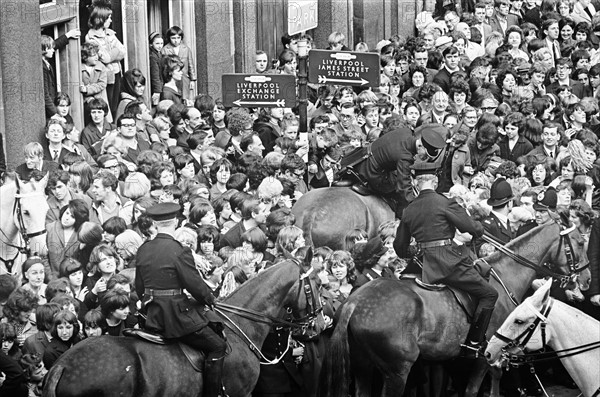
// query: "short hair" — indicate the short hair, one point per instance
point(69, 266)
point(33, 149)
point(278, 219)
point(98, 16)
point(88, 50)
point(269, 188)
point(547, 23)
point(335, 38)
point(136, 185)
point(114, 225)
point(58, 176)
point(92, 319)
point(98, 104)
point(237, 181)
point(292, 162)
point(248, 207)
point(44, 316)
point(47, 43)
point(108, 179)
point(257, 238)
point(207, 233)
point(216, 166)
point(199, 211)
point(103, 249)
point(56, 287)
point(117, 279)
point(237, 119)
point(174, 31)
point(20, 300)
point(65, 316)
point(517, 119)
point(286, 238)
point(7, 285)
point(169, 64)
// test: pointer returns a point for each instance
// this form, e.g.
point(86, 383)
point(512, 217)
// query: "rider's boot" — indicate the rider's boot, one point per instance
point(213, 384)
point(472, 348)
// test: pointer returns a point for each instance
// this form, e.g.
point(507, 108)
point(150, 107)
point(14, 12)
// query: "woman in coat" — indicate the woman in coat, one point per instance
point(61, 238)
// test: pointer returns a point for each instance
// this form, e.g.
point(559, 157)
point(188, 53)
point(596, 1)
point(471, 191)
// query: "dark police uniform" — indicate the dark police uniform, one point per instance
point(433, 219)
point(388, 167)
point(163, 269)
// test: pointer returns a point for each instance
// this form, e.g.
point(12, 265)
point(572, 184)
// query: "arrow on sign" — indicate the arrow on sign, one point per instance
point(325, 79)
point(344, 56)
point(279, 103)
point(257, 79)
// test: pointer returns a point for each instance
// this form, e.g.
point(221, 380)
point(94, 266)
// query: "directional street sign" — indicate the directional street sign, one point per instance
point(259, 90)
point(302, 15)
point(344, 68)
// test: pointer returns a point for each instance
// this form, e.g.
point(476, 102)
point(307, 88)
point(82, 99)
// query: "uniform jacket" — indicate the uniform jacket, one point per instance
point(58, 248)
point(388, 169)
point(594, 258)
point(430, 217)
point(162, 264)
point(369, 274)
point(493, 226)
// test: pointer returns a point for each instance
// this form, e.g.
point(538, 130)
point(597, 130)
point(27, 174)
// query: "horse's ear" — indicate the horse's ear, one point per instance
point(542, 294)
point(44, 181)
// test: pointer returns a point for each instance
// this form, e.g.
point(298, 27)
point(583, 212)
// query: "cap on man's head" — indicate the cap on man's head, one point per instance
point(546, 200)
point(433, 137)
point(163, 211)
point(424, 168)
point(500, 193)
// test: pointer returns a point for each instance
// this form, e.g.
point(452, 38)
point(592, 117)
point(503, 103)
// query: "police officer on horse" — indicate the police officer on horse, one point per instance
point(164, 269)
point(387, 167)
point(432, 219)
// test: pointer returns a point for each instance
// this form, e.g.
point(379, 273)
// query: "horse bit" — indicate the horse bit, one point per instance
point(303, 323)
point(26, 249)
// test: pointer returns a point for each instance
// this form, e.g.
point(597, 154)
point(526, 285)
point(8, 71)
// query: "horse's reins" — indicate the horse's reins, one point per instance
point(569, 253)
point(256, 316)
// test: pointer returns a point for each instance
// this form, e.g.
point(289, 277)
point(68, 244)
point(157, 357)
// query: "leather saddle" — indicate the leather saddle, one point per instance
point(464, 300)
point(195, 357)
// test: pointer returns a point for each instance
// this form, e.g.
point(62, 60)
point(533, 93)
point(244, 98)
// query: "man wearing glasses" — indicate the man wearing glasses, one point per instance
point(127, 128)
point(347, 119)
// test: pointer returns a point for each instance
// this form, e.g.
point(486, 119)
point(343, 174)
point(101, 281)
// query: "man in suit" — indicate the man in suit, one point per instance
point(480, 22)
point(374, 257)
point(387, 170)
point(583, 11)
point(451, 65)
point(549, 146)
point(164, 268)
point(551, 32)
point(432, 219)
point(501, 19)
point(563, 78)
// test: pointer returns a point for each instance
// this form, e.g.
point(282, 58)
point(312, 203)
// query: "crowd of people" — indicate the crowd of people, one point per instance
point(502, 96)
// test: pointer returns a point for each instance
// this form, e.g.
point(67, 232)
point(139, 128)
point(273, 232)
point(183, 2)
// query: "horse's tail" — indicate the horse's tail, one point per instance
point(51, 381)
point(335, 372)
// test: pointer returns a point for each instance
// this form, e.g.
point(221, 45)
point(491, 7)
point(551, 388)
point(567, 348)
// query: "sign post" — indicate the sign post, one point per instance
point(342, 67)
point(302, 16)
point(259, 90)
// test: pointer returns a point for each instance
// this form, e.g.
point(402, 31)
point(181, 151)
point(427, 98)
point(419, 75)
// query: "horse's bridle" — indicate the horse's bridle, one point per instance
point(21, 249)
point(523, 338)
point(564, 241)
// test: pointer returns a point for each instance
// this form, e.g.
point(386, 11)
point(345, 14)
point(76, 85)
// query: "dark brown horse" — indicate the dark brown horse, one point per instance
point(387, 324)
point(126, 366)
point(327, 214)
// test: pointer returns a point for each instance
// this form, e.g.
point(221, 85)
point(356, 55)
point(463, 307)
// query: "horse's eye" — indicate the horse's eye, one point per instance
point(25, 212)
point(519, 322)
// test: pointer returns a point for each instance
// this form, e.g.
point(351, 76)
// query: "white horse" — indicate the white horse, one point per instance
point(23, 208)
point(565, 328)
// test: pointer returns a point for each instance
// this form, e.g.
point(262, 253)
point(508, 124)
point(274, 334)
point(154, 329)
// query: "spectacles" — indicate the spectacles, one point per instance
point(489, 108)
point(346, 116)
point(127, 125)
point(111, 167)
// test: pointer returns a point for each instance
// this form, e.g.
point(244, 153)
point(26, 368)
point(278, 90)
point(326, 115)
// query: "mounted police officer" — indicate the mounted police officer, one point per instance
point(387, 169)
point(164, 269)
point(432, 219)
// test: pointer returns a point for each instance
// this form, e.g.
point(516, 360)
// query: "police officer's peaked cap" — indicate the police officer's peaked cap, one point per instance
point(163, 211)
point(424, 168)
point(500, 193)
point(433, 137)
point(546, 200)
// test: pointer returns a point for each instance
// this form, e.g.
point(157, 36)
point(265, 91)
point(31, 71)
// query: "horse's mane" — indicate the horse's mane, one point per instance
point(516, 243)
point(260, 280)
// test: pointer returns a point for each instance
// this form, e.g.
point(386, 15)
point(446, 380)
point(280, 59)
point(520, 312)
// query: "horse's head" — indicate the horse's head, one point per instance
point(30, 213)
point(569, 257)
point(304, 303)
point(521, 330)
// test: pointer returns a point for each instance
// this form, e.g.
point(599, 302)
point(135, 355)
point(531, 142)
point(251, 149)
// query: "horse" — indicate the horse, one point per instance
point(327, 214)
point(126, 366)
point(565, 328)
point(23, 208)
point(387, 324)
